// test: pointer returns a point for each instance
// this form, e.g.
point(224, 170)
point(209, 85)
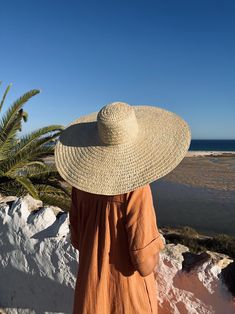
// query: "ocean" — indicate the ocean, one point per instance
point(212, 145)
point(206, 145)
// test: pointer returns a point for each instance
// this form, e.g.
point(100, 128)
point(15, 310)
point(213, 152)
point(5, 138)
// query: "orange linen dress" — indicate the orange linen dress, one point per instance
point(113, 234)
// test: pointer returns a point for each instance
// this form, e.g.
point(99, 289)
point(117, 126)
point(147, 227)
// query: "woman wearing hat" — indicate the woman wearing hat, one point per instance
point(110, 158)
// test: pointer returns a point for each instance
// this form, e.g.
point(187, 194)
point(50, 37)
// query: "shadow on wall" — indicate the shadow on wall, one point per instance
point(37, 270)
point(32, 292)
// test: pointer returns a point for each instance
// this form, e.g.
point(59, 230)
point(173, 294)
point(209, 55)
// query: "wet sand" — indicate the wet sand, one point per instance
point(199, 193)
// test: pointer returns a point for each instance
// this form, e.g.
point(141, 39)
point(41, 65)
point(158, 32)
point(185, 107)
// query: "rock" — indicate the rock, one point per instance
point(38, 267)
point(6, 199)
point(228, 277)
point(191, 260)
point(174, 254)
point(38, 264)
point(191, 283)
point(31, 202)
point(56, 209)
point(41, 218)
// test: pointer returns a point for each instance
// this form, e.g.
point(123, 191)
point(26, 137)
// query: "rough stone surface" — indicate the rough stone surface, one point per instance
point(38, 267)
point(197, 289)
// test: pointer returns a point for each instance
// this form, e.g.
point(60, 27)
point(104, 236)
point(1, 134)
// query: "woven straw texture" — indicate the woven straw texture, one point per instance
point(121, 148)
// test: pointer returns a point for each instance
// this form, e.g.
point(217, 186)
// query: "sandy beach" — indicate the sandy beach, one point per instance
point(201, 153)
point(199, 192)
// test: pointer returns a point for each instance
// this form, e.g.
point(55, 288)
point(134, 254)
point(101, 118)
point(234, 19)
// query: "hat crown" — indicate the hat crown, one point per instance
point(117, 123)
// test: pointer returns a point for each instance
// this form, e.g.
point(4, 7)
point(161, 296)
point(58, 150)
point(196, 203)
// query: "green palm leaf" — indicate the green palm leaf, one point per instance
point(8, 138)
point(61, 202)
point(4, 95)
point(23, 167)
point(11, 113)
point(27, 184)
point(30, 139)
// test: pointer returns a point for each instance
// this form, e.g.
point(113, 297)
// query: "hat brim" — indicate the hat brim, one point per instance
point(85, 162)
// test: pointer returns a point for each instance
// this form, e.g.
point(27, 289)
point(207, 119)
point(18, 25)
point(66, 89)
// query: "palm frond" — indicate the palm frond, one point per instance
point(48, 172)
point(8, 138)
point(54, 200)
point(5, 95)
point(23, 168)
point(33, 167)
point(36, 137)
point(50, 185)
point(11, 113)
point(12, 188)
point(46, 187)
point(16, 161)
point(27, 184)
point(10, 123)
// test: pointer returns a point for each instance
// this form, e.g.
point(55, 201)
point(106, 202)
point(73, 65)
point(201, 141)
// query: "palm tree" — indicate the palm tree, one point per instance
point(23, 168)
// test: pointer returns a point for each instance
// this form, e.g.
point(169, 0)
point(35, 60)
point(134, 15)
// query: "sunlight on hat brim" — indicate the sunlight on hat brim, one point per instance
point(85, 162)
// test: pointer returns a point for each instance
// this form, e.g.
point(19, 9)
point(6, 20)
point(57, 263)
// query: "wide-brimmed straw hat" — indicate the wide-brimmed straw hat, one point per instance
point(121, 148)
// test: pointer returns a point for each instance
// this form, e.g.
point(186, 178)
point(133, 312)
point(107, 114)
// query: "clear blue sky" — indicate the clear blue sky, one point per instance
point(179, 55)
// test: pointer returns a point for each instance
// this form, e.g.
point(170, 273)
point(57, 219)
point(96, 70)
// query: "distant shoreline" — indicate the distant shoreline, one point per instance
point(190, 153)
point(201, 153)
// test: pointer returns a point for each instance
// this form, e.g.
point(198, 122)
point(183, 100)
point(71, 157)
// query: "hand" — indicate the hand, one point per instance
point(157, 258)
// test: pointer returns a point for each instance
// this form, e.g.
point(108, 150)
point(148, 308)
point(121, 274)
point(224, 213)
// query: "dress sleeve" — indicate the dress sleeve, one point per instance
point(144, 238)
point(73, 219)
